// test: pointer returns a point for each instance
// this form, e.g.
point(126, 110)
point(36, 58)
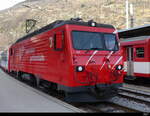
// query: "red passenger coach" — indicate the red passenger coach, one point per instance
point(82, 59)
point(137, 56)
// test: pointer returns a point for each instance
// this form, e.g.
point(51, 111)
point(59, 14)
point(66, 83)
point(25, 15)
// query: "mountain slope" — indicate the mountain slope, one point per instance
point(12, 21)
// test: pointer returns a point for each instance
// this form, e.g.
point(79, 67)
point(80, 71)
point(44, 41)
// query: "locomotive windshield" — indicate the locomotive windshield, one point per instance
point(94, 41)
point(110, 42)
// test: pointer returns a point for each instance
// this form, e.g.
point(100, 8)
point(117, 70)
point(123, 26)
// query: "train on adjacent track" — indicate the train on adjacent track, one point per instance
point(82, 59)
point(136, 57)
point(4, 60)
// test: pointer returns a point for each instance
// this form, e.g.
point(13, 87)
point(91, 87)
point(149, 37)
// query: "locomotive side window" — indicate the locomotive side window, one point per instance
point(140, 52)
point(58, 41)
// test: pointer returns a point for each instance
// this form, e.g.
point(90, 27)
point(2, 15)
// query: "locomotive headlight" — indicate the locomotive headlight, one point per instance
point(79, 68)
point(93, 24)
point(119, 67)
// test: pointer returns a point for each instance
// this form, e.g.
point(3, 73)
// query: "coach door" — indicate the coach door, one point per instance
point(130, 61)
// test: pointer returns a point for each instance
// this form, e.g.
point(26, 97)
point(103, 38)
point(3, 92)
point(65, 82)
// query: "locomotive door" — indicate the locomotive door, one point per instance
point(130, 68)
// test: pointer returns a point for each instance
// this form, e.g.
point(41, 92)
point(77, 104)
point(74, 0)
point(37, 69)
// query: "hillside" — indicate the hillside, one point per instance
point(12, 20)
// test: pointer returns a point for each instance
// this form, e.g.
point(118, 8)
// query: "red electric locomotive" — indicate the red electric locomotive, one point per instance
point(137, 57)
point(80, 58)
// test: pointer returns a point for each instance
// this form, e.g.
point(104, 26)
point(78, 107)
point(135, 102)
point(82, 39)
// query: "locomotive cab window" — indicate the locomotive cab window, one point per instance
point(140, 52)
point(59, 41)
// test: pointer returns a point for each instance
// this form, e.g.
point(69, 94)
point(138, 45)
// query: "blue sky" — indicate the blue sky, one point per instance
point(8, 3)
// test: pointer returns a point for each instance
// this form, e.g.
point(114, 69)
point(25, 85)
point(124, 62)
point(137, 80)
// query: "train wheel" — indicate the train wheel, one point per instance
point(29, 78)
point(18, 75)
point(33, 80)
point(131, 78)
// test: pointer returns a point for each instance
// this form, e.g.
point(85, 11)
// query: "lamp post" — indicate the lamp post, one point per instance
point(127, 14)
point(131, 15)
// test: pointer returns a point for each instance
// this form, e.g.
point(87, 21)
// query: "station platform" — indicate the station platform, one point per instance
point(16, 96)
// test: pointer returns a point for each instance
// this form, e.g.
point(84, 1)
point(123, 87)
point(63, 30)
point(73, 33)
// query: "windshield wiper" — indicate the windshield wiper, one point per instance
point(88, 50)
point(96, 48)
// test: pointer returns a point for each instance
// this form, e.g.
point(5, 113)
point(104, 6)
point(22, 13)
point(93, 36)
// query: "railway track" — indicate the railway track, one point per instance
point(105, 107)
point(129, 99)
point(132, 98)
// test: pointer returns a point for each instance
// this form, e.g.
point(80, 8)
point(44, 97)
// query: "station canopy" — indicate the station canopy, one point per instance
point(135, 32)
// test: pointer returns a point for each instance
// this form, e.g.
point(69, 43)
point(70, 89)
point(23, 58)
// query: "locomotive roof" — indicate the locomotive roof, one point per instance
point(59, 23)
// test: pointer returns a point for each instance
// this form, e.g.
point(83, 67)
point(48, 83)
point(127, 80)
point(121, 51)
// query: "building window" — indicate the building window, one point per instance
point(140, 52)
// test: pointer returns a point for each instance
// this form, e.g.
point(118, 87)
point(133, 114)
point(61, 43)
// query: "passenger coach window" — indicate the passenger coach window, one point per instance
point(140, 52)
